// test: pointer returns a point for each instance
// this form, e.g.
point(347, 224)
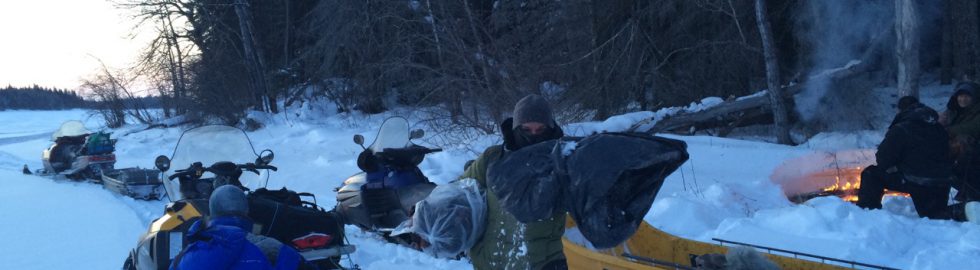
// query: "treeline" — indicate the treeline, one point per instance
point(40, 98)
point(475, 58)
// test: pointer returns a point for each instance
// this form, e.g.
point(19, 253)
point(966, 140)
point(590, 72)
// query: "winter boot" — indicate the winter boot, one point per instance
point(972, 211)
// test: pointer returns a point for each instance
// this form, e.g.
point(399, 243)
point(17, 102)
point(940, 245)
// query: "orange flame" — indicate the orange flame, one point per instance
point(847, 187)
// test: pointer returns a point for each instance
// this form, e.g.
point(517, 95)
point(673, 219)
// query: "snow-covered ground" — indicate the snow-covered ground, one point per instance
point(728, 190)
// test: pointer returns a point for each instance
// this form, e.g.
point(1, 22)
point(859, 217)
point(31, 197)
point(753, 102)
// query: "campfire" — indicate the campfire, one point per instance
point(846, 183)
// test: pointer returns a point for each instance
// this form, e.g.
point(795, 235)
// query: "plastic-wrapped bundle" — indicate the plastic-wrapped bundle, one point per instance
point(451, 219)
point(607, 181)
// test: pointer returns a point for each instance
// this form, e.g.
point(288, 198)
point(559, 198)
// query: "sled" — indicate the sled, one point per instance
point(651, 248)
point(138, 183)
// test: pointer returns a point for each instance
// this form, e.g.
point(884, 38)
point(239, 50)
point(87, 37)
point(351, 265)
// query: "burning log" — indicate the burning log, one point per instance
point(824, 174)
point(846, 187)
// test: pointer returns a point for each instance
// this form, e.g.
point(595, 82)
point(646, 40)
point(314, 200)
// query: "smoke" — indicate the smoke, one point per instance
point(837, 33)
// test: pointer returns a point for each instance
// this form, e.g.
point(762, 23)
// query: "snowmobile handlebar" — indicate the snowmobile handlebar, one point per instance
point(197, 169)
point(408, 151)
point(254, 168)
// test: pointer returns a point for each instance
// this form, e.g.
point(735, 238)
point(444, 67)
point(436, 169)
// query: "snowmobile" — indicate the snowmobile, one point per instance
point(78, 153)
point(382, 195)
point(222, 155)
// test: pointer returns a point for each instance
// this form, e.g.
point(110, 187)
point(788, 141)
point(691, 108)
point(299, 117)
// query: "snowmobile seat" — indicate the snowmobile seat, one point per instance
point(79, 140)
point(384, 207)
point(63, 155)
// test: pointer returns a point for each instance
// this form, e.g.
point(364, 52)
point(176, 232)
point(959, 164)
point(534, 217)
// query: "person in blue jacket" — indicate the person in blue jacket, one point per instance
point(225, 242)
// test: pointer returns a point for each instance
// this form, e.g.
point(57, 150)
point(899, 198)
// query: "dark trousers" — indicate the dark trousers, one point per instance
point(967, 169)
point(556, 265)
point(929, 201)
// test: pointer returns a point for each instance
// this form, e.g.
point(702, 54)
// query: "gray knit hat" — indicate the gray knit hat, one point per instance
point(533, 108)
point(228, 200)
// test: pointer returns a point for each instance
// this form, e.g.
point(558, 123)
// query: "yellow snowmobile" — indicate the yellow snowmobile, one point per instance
point(282, 214)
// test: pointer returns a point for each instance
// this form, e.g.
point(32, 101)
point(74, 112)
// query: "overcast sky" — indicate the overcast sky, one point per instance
point(56, 42)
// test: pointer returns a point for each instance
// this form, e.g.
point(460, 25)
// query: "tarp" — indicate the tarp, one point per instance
point(607, 182)
point(526, 183)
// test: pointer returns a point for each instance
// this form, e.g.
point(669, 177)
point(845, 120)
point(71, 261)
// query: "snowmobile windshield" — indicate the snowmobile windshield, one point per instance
point(70, 129)
point(211, 144)
point(394, 133)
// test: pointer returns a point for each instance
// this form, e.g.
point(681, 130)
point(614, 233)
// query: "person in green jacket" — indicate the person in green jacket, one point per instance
point(507, 243)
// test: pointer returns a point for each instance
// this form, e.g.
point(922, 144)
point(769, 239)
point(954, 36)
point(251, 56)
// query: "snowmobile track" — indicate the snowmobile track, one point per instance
point(20, 139)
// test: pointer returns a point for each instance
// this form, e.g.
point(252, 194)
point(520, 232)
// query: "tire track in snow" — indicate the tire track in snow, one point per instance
point(20, 139)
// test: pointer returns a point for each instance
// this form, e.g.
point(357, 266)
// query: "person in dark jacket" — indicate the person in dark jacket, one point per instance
point(962, 115)
point(913, 158)
point(507, 243)
point(225, 242)
point(962, 119)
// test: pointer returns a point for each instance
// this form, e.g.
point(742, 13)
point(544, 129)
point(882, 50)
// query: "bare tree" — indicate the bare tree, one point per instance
point(253, 57)
point(907, 47)
point(965, 33)
point(946, 50)
point(165, 59)
point(116, 100)
point(772, 75)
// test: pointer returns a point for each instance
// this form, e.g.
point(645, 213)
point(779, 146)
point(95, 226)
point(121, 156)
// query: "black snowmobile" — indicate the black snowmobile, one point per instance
point(77, 153)
point(381, 197)
point(220, 155)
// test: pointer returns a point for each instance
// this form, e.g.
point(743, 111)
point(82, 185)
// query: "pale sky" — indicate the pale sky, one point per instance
point(56, 42)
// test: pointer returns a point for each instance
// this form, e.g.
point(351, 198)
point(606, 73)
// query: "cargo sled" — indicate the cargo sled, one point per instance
point(138, 183)
point(651, 248)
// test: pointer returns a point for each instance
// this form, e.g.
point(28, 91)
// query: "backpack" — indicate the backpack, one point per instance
point(99, 143)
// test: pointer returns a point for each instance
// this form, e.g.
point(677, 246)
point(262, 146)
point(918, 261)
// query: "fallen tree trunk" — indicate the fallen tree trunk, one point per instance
point(743, 111)
point(755, 109)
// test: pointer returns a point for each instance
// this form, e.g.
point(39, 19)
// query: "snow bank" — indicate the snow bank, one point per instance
point(62, 225)
point(830, 227)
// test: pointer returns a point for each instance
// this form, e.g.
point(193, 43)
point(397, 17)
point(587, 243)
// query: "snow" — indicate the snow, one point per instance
point(756, 94)
point(705, 103)
point(61, 225)
point(729, 189)
point(567, 148)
